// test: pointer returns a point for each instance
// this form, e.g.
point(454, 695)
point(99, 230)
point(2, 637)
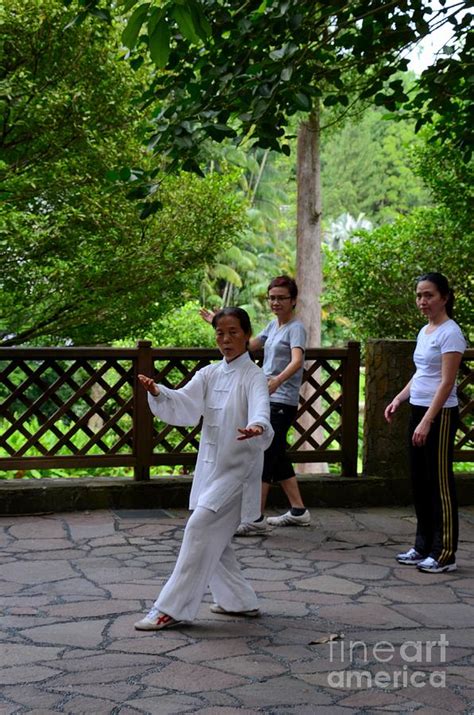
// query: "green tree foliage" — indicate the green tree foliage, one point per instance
point(366, 163)
point(243, 69)
point(266, 247)
point(443, 97)
point(367, 167)
point(450, 179)
point(77, 264)
point(239, 274)
point(182, 328)
point(371, 280)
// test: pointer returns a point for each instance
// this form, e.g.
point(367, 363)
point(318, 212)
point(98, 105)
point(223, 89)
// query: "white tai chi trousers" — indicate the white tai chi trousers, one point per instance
point(207, 559)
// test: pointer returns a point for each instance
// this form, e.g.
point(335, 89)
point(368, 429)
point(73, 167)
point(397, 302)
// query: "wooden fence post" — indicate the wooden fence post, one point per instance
point(350, 410)
point(142, 417)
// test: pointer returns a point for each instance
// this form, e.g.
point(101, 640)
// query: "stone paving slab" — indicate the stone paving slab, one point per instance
point(72, 585)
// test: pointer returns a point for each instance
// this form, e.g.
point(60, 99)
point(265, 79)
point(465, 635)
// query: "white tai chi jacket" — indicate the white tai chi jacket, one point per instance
point(227, 396)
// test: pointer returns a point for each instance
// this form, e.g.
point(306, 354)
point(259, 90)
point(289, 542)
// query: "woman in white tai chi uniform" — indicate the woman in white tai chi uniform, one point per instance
point(232, 397)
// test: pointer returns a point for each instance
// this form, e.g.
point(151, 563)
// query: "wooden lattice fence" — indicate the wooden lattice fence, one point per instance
point(464, 448)
point(83, 408)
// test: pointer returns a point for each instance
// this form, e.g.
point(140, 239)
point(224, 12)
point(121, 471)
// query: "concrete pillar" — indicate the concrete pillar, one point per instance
point(388, 367)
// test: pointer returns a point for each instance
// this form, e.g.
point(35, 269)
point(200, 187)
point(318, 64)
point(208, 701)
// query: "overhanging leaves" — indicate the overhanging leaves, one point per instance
point(134, 25)
point(159, 44)
point(260, 63)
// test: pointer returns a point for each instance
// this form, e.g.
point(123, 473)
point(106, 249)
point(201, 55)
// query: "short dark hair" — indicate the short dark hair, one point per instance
point(441, 282)
point(239, 313)
point(284, 282)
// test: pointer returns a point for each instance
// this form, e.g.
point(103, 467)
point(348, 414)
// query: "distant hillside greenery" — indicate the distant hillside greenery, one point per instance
point(367, 167)
point(370, 281)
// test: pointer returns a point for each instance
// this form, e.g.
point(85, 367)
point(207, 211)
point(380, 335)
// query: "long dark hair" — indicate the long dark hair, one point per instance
point(441, 282)
point(239, 313)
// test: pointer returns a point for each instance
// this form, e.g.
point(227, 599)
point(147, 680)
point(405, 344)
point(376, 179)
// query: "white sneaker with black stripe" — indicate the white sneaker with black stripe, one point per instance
point(289, 519)
point(430, 565)
point(253, 528)
point(410, 557)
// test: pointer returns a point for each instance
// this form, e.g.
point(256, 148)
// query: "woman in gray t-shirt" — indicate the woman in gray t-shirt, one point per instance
point(283, 341)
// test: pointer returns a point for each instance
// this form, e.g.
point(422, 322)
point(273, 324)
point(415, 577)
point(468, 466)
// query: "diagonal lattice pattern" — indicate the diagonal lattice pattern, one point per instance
point(61, 407)
point(83, 407)
point(175, 373)
point(465, 434)
point(320, 406)
point(319, 420)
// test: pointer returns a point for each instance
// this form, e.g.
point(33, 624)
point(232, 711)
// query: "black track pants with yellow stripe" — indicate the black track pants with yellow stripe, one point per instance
point(434, 490)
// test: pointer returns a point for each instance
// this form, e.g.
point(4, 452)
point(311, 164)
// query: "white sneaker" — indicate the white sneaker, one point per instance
point(252, 613)
point(430, 565)
point(410, 557)
point(289, 520)
point(253, 528)
point(155, 621)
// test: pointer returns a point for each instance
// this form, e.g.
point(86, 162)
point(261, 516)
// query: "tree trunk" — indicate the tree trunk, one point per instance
point(308, 242)
point(308, 228)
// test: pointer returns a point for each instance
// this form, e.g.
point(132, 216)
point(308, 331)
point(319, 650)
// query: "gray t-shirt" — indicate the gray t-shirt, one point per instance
point(278, 343)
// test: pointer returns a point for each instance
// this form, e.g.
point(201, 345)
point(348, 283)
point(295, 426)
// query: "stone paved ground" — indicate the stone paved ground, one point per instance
point(73, 584)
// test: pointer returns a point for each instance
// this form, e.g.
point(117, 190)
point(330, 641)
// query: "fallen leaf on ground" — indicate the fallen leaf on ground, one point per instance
point(327, 639)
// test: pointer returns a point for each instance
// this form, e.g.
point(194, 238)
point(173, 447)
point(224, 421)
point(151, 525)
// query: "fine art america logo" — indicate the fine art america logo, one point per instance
point(391, 666)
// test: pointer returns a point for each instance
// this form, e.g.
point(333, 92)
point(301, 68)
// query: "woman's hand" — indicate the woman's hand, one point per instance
point(273, 384)
point(449, 366)
point(295, 364)
point(206, 315)
point(421, 432)
point(149, 385)
point(249, 432)
point(391, 409)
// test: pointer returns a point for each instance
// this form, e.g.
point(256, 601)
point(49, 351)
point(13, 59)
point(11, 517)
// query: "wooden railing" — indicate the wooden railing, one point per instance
point(464, 446)
point(83, 408)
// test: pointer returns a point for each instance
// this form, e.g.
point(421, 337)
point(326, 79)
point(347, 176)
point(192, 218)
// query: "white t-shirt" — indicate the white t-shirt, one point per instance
point(446, 338)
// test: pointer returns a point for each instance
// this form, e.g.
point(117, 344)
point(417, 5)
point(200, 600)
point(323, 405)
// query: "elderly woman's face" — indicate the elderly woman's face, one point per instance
point(230, 337)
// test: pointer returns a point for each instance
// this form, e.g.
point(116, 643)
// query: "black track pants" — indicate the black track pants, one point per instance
point(276, 465)
point(434, 490)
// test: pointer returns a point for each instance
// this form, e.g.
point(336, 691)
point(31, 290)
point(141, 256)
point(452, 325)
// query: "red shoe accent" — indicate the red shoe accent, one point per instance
point(165, 620)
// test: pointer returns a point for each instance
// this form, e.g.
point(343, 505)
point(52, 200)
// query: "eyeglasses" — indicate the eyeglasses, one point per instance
point(278, 298)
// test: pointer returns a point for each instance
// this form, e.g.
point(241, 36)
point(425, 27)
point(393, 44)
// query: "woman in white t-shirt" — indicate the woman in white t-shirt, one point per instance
point(434, 417)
